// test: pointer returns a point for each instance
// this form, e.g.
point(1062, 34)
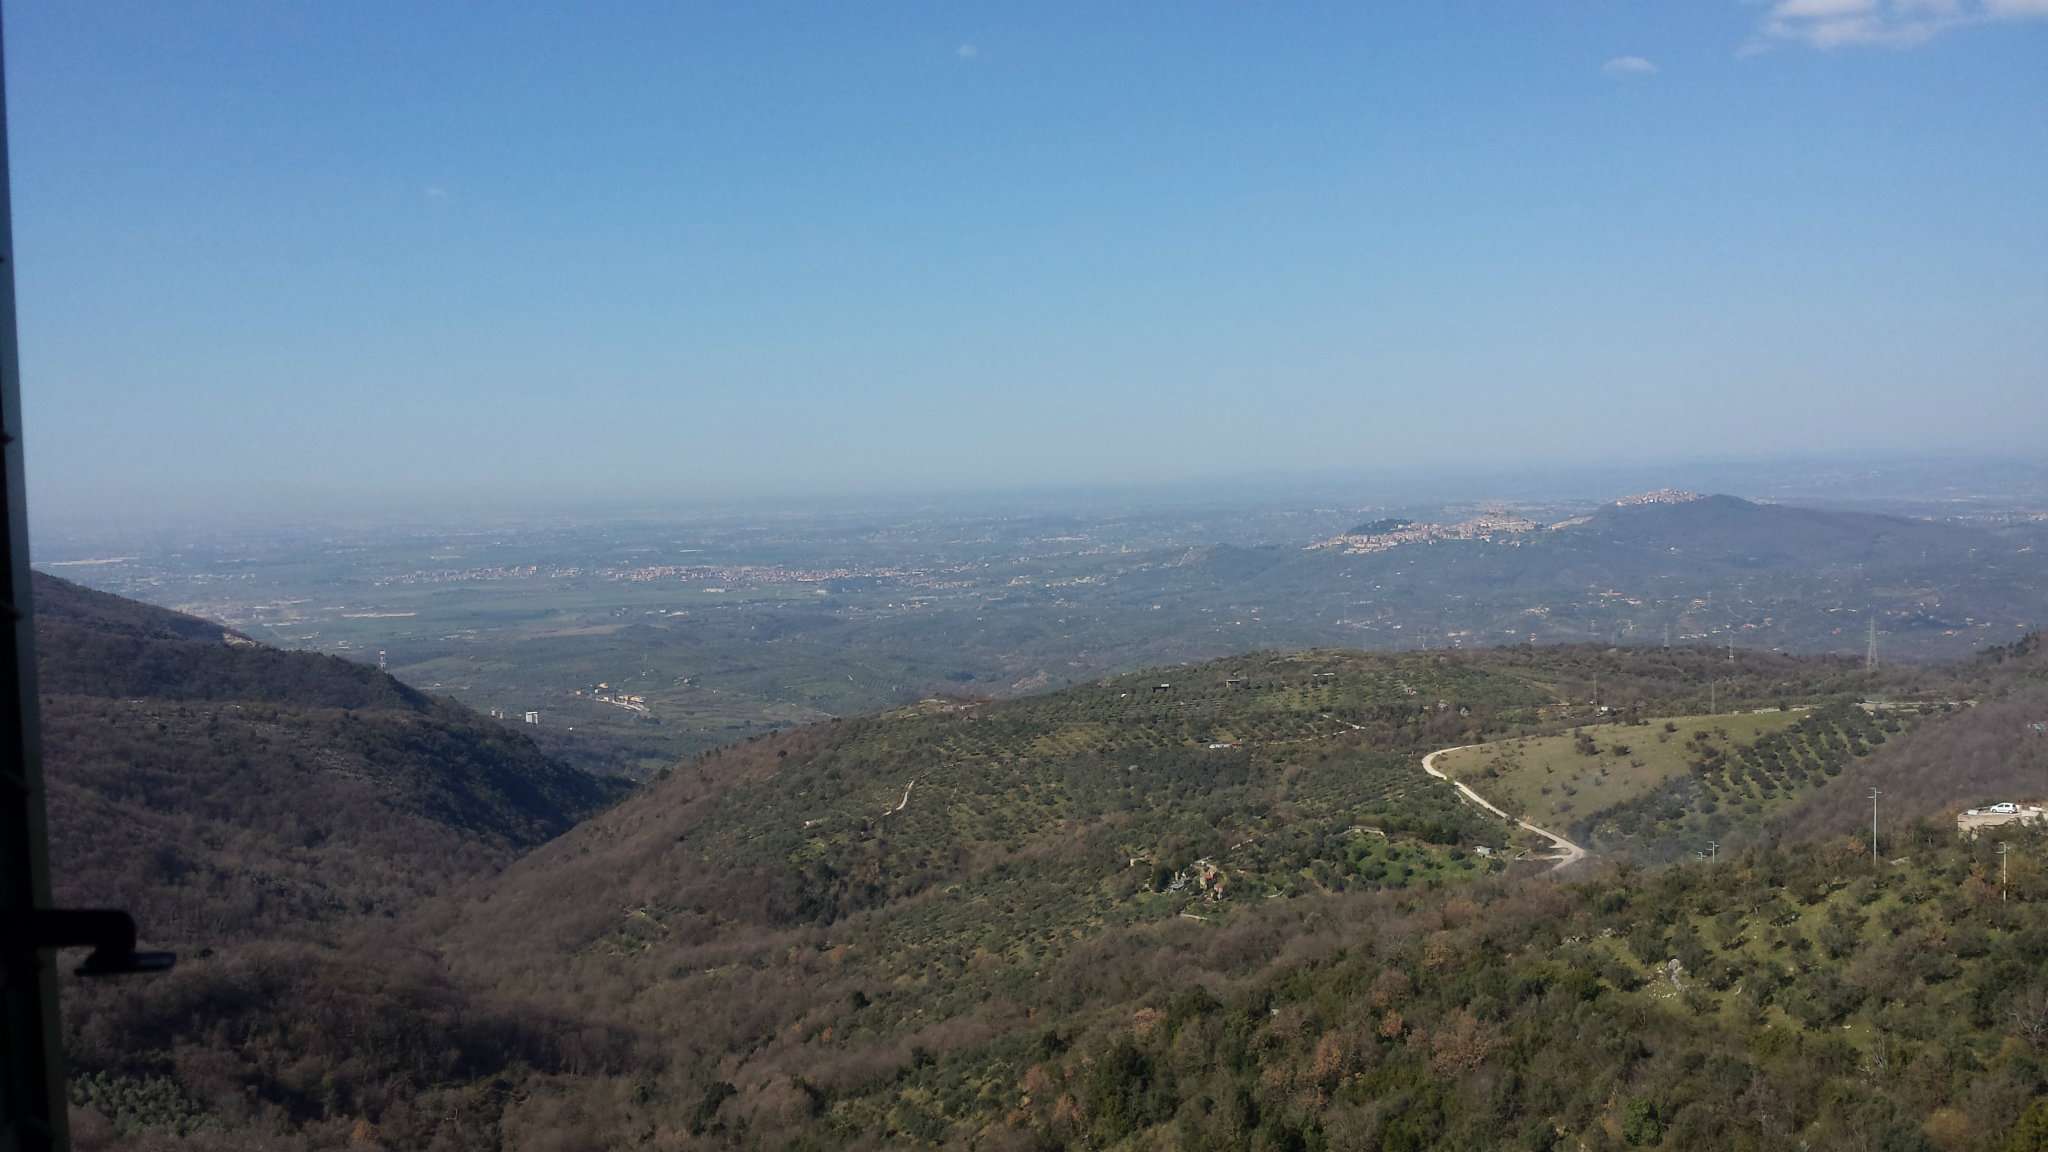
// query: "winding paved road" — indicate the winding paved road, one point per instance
point(1567, 852)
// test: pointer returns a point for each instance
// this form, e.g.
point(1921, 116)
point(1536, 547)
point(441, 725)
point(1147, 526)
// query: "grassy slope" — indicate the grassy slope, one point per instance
point(1550, 782)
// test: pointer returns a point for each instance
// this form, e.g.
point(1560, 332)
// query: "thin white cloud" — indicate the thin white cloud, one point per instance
point(967, 51)
point(1830, 24)
point(434, 192)
point(1628, 66)
point(1822, 9)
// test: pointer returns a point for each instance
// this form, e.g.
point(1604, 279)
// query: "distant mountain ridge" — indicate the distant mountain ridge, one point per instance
point(1776, 533)
point(1779, 576)
point(1718, 523)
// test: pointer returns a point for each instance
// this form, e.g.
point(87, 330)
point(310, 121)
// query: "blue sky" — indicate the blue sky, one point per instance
point(269, 251)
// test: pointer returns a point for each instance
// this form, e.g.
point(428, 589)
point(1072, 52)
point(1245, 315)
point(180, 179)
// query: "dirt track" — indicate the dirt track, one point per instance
point(1567, 852)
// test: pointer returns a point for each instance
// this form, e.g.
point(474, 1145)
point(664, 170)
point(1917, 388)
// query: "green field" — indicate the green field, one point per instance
point(1558, 781)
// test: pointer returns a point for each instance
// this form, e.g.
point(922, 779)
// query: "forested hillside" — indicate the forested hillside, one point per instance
point(1991, 747)
point(1045, 997)
point(1789, 999)
point(268, 814)
point(225, 790)
point(92, 644)
point(1214, 906)
point(967, 923)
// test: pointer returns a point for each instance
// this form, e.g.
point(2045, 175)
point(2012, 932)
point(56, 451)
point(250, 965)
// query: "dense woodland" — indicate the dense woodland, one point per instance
point(1215, 906)
point(91, 644)
point(261, 812)
point(223, 790)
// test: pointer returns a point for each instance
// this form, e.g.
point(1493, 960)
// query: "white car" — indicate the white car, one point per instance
point(2005, 809)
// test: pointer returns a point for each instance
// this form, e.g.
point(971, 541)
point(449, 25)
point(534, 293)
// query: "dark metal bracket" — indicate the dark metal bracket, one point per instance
point(108, 932)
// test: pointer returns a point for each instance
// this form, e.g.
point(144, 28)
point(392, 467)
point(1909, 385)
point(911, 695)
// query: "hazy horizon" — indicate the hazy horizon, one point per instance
point(317, 258)
point(1877, 482)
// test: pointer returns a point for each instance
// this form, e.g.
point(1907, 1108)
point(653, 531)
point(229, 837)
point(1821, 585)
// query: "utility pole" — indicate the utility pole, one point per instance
point(1874, 794)
point(1713, 696)
point(1870, 649)
point(32, 1093)
point(2004, 850)
point(1713, 849)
